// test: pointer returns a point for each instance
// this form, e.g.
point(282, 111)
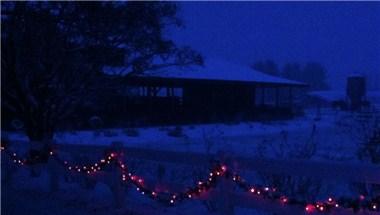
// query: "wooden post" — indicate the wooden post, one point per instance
point(225, 205)
point(52, 166)
point(116, 185)
point(53, 171)
point(277, 97)
point(35, 169)
point(253, 98)
point(8, 171)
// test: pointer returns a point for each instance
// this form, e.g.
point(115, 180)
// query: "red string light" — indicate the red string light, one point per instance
point(284, 199)
point(218, 171)
point(309, 208)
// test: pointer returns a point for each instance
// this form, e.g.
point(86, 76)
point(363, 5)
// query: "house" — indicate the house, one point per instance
point(217, 91)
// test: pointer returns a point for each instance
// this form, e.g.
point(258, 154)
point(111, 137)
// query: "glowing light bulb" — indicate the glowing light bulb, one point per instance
point(51, 152)
point(330, 199)
point(189, 196)
point(224, 168)
point(171, 201)
point(211, 174)
point(337, 205)
point(309, 208)
point(266, 188)
point(374, 206)
point(252, 190)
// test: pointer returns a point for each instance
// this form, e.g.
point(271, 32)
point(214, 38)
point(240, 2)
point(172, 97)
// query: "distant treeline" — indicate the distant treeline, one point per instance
point(311, 73)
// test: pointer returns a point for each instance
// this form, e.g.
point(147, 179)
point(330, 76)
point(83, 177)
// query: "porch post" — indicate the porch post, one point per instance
point(291, 97)
point(277, 97)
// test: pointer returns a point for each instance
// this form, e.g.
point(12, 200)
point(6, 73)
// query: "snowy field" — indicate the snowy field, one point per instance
point(333, 137)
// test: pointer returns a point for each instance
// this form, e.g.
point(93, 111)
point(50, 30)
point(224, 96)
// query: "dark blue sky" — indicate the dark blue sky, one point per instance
point(343, 36)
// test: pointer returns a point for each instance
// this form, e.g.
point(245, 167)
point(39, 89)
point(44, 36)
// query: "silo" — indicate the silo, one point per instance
point(356, 90)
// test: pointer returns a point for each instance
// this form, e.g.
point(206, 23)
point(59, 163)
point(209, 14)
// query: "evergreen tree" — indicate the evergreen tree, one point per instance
point(53, 52)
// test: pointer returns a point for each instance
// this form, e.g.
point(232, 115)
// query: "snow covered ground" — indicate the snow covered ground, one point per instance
point(332, 140)
point(334, 137)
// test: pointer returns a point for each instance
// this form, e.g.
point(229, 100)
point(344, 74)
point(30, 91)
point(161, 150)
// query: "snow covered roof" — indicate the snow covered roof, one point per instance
point(219, 70)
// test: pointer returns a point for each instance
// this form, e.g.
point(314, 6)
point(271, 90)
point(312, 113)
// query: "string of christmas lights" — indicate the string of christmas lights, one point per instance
point(218, 171)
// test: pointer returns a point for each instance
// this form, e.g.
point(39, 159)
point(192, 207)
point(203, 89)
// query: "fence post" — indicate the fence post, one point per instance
point(225, 204)
point(52, 167)
point(53, 171)
point(117, 188)
point(36, 169)
point(7, 172)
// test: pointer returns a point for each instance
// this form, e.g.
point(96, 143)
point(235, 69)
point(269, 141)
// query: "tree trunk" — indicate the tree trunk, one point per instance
point(39, 131)
point(41, 143)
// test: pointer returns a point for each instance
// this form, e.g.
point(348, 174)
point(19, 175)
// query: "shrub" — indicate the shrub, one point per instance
point(176, 132)
point(110, 133)
point(131, 132)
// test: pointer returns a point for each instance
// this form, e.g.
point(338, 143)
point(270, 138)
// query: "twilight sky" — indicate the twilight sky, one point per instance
point(343, 36)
